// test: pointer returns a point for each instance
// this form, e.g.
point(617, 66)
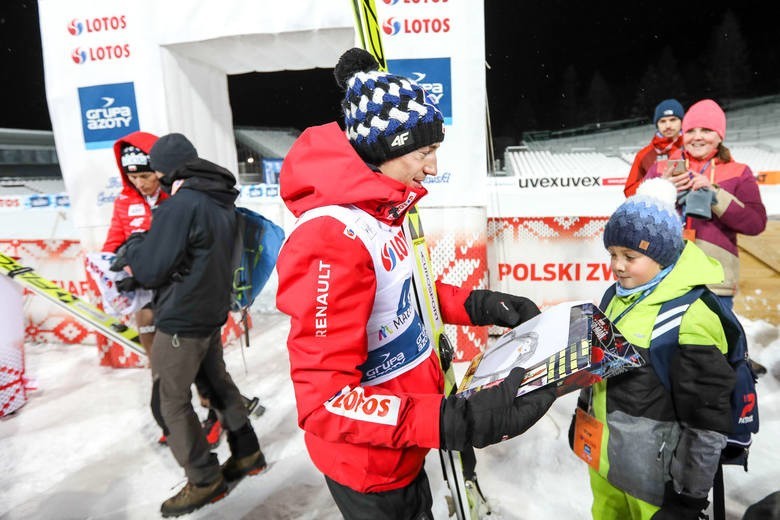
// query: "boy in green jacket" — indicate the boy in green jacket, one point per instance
point(655, 451)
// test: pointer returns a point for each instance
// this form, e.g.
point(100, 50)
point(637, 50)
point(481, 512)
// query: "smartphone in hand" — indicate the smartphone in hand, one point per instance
point(678, 166)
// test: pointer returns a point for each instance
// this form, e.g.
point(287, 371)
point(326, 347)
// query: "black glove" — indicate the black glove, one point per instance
point(496, 308)
point(583, 404)
point(679, 506)
point(493, 414)
point(120, 260)
point(571, 431)
point(127, 284)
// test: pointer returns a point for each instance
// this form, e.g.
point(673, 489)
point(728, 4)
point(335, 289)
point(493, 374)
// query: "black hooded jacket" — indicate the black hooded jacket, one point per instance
point(186, 255)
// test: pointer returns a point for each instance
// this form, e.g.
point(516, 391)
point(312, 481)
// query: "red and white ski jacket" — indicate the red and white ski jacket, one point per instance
point(368, 384)
point(132, 213)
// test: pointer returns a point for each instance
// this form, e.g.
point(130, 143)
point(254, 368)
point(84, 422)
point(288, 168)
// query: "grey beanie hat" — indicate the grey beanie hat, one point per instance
point(170, 152)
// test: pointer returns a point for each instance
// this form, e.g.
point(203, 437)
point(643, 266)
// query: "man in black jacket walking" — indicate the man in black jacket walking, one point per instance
point(186, 258)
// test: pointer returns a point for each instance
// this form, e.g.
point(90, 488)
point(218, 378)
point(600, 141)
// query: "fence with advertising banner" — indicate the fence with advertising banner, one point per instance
point(63, 262)
point(545, 235)
point(13, 384)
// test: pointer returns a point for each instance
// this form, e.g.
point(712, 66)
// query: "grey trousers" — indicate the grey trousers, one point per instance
point(175, 361)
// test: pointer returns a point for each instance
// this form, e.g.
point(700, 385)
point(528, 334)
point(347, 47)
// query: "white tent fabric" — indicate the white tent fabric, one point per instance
point(160, 66)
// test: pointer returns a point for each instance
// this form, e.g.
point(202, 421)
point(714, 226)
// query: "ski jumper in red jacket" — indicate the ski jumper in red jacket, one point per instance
point(375, 434)
point(367, 378)
point(132, 210)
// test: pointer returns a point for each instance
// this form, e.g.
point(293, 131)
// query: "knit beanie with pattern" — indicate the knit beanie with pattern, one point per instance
point(648, 223)
point(134, 160)
point(385, 115)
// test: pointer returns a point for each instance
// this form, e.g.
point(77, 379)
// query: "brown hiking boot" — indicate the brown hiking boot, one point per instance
point(252, 464)
point(192, 497)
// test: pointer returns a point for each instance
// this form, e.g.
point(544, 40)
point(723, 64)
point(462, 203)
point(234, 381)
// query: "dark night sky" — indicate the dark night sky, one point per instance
point(530, 44)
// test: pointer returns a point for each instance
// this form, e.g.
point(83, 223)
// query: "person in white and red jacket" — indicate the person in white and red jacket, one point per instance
point(141, 193)
point(367, 380)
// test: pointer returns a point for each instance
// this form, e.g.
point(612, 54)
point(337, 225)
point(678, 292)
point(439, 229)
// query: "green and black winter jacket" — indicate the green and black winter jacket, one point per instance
point(653, 435)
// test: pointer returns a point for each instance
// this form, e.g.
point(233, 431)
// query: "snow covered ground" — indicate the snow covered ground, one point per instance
point(85, 446)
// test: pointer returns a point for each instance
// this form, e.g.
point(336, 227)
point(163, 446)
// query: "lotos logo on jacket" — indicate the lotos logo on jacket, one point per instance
point(394, 251)
point(353, 403)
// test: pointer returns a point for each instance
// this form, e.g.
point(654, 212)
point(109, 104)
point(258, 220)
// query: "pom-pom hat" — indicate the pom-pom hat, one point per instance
point(648, 223)
point(385, 115)
point(705, 114)
point(666, 108)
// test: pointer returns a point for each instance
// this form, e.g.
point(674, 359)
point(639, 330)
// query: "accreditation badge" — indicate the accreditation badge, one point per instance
point(587, 438)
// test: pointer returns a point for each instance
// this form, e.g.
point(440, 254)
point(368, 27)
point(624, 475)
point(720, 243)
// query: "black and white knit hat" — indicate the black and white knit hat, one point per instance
point(385, 115)
point(648, 223)
point(134, 160)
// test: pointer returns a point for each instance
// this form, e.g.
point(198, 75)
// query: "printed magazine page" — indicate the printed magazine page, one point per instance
point(570, 345)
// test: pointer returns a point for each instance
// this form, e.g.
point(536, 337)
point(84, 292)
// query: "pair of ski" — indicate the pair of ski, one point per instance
point(110, 326)
point(466, 500)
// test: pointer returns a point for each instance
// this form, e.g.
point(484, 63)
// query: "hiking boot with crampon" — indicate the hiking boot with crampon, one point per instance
point(236, 468)
point(192, 497)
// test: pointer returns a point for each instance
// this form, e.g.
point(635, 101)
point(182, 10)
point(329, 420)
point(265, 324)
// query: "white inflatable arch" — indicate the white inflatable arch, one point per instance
point(160, 66)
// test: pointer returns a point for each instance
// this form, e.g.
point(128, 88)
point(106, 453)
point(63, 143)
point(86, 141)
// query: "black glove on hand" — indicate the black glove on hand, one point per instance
point(127, 284)
point(679, 506)
point(496, 308)
point(493, 414)
point(120, 260)
point(583, 404)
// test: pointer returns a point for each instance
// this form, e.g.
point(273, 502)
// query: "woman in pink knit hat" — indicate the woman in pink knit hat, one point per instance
point(718, 196)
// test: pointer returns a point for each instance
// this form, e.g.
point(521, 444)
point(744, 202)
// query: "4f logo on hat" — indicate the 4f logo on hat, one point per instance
point(400, 140)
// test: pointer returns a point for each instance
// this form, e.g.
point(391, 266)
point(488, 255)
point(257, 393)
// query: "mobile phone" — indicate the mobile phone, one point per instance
point(678, 166)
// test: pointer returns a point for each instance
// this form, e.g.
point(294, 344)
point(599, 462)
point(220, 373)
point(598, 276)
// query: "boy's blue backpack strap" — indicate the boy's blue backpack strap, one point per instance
point(608, 295)
point(666, 332)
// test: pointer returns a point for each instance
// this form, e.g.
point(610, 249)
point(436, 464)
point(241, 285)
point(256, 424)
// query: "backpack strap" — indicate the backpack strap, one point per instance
point(735, 334)
point(608, 295)
point(666, 332)
point(239, 278)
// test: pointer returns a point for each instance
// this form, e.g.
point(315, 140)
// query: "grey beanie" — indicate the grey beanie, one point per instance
point(170, 152)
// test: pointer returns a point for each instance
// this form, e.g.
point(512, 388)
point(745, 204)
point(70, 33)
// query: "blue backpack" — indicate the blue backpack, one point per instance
point(744, 400)
point(257, 245)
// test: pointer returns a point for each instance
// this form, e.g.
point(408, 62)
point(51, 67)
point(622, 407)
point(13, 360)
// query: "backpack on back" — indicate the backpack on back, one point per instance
point(744, 400)
point(257, 245)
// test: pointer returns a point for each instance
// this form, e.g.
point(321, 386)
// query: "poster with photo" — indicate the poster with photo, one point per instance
point(570, 345)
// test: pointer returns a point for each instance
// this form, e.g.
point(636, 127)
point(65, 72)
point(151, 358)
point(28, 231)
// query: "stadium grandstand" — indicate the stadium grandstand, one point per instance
point(753, 136)
point(29, 166)
point(28, 159)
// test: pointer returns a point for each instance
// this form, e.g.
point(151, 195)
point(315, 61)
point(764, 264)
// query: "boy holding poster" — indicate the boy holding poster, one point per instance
point(653, 452)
